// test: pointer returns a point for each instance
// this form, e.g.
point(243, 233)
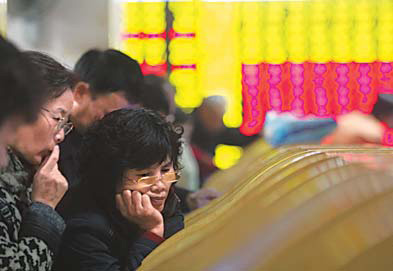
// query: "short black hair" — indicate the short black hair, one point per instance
point(57, 78)
point(126, 139)
point(154, 96)
point(20, 85)
point(110, 71)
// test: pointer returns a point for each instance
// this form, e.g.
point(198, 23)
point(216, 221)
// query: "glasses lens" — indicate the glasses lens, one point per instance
point(169, 177)
point(147, 180)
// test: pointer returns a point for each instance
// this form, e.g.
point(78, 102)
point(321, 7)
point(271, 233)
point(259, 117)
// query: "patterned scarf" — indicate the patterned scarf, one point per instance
point(16, 179)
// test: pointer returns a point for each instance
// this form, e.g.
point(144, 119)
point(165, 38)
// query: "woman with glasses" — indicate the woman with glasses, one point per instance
point(125, 205)
point(31, 185)
point(18, 78)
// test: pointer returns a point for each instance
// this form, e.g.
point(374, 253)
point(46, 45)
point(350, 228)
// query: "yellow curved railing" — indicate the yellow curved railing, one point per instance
point(297, 208)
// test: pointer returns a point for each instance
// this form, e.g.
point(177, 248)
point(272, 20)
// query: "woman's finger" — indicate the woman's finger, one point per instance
point(127, 198)
point(137, 202)
point(146, 203)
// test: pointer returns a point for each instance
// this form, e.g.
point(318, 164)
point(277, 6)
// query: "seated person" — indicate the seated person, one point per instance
point(125, 205)
point(209, 131)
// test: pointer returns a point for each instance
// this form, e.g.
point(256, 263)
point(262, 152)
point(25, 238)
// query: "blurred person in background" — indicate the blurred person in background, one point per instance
point(108, 80)
point(158, 95)
point(190, 173)
point(20, 95)
point(282, 128)
point(125, 205)
point(357, 128)
point(31, 185)
point(209, 131)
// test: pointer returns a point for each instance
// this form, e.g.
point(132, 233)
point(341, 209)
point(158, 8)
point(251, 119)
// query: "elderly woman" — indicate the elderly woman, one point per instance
point(125, 205)
point(20, 97)
point(31, 185)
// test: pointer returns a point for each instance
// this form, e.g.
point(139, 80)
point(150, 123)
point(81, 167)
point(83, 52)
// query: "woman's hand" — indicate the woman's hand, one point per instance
point(49, 185)
point(138, 209)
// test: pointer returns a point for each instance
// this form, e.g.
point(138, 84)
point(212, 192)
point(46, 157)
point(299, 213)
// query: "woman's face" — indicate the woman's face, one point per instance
point(35, 141)
point(154, 182)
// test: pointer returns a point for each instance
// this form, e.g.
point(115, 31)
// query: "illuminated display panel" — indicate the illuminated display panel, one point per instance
point(315, 57)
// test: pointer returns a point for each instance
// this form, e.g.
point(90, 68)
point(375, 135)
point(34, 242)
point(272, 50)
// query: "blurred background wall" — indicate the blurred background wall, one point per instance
point(62, 28)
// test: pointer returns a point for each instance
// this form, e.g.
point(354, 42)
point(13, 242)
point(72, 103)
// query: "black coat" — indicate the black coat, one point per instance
point(96, 239)
point(69, 158)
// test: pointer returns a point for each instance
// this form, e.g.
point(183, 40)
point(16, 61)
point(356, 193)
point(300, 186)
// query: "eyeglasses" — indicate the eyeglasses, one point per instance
point(130, 184)
point(62, 123)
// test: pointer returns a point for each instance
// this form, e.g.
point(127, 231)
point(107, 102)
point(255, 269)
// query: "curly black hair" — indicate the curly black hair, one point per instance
point(126, 139)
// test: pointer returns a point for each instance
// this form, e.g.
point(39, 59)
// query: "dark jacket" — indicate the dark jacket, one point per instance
point(99, 239)
point(68, 160)
point(30, 232)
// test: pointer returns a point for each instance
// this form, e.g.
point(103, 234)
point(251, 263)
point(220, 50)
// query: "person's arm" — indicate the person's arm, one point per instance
point(142, 247)
point(34, 246)
point(137, 209)
point(148, 241)
point(85, 249)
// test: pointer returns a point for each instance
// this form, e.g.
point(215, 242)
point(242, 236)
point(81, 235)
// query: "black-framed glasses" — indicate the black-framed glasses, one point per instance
point(62, 123)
